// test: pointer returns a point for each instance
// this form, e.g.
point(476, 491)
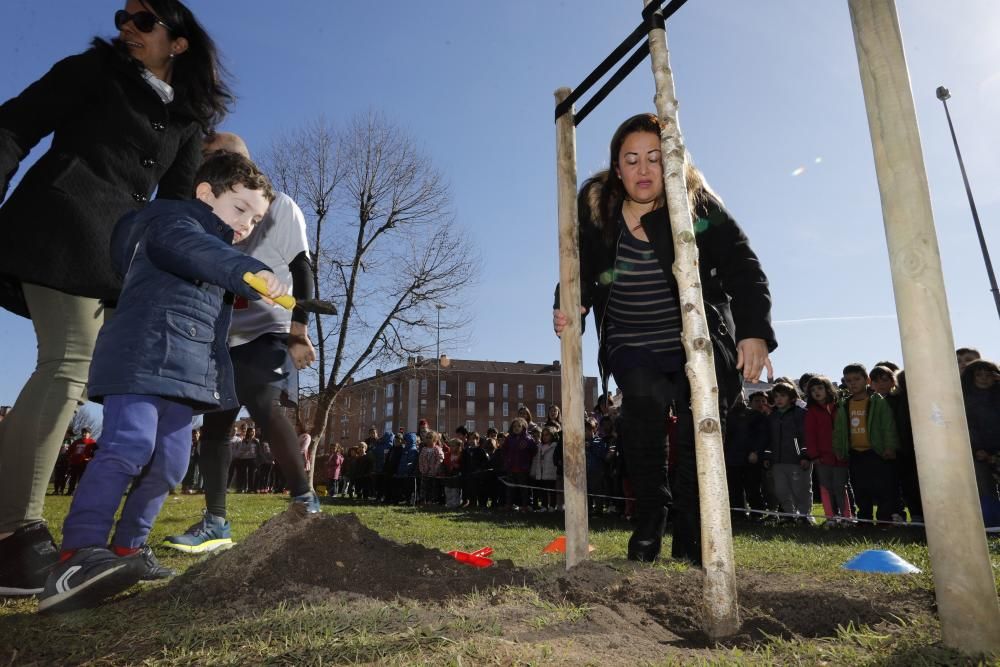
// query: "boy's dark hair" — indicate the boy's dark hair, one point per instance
point(462, 431)
point(224, 171)
point(881, 371)
point(756, 394)
point(891, 365)
point(967, 350)
point(786, 390)
point(856, 368)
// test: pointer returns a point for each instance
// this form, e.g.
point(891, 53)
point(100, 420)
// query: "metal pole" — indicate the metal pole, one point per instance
point(944, 94)
point(960, 560)
point(437, 403)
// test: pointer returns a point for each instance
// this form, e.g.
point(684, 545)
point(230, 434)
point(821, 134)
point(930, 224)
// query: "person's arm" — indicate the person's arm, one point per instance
point(181, 246)
point(42, 107)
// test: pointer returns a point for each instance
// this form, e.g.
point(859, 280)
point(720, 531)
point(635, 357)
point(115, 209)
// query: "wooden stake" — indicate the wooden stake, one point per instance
point(574, 461)
point(721, 608)
point(963, 578)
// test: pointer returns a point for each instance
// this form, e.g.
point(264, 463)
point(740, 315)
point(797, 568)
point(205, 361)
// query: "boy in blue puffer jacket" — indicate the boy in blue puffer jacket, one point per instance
point(406, 471)
point(161, 359)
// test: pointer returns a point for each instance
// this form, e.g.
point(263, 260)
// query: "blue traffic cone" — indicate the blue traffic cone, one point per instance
point(880, 562)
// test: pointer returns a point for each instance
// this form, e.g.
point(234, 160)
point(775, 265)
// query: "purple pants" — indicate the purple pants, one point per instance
point(145, 441)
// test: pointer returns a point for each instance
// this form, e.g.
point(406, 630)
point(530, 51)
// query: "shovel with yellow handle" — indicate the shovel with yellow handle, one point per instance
point(318, 306)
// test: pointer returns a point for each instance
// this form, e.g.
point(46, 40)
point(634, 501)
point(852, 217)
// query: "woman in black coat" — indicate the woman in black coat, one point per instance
point(127, 119)
point(626, 253)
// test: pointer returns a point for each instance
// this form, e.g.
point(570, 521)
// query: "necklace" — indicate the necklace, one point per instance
point(636, 220)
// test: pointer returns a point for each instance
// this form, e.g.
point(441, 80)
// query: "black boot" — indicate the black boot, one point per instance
point(647, 539)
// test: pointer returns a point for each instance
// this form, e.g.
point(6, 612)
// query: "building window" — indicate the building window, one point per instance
point(443, 387)
point(423, 387)
point(493, 407)
point(388, 409)
point(504, 390)
point(373, 414)
point(539, 409)
point(442, 404)
point(423, 406)
point(348, 400)
point(506, 410)
point(470, 388)
point(470, 408)
point(470, 425)
point(493, 389)
point(387, 427)
point(390, 390)
point(540, 391)
point(492, 424)
point(506, 427)
point(520, 391)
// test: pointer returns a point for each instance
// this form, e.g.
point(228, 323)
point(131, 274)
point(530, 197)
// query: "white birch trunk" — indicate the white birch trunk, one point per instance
point(574, 462)
point(721, 609)
point(963, 578)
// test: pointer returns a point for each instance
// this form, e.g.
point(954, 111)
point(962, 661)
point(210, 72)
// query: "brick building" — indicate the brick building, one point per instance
point(475, 394)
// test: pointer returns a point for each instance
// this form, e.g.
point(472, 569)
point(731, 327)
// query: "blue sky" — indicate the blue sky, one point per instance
point(766, 89)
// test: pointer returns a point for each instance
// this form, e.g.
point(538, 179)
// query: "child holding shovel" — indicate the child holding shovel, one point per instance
point(162, 358)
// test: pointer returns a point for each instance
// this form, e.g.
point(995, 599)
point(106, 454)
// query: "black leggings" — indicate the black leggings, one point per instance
point(265, 409)
point(647, 394)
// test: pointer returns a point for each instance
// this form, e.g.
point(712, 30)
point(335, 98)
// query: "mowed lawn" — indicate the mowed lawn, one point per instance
point(393, 633)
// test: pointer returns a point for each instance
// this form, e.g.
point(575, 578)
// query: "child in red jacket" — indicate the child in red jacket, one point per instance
point(831, 470)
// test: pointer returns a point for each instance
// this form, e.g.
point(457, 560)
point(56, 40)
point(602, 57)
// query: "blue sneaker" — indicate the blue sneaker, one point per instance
point(209, 534)
point(310, 501)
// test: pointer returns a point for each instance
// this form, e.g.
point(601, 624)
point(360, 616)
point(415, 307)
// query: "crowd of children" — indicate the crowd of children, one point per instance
point(847, 445)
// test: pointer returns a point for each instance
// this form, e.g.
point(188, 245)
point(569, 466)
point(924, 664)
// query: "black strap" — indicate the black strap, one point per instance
point(652, 18)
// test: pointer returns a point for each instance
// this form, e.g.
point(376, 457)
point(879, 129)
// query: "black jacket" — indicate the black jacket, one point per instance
point(114, 143)
point(734, 286)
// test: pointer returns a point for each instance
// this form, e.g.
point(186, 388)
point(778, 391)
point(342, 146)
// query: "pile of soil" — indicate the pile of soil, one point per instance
point(296, 556)
point(597, 612)
point(669, 604)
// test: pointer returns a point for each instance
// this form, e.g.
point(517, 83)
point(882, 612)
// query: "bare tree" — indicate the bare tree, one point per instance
point(385, 246)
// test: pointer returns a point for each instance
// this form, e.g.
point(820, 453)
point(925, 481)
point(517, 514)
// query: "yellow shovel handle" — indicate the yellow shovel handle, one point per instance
point(286, 301)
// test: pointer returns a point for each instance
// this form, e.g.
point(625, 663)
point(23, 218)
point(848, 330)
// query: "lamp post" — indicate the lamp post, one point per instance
point(437, 415)
point(944, 94)
point(447, 397)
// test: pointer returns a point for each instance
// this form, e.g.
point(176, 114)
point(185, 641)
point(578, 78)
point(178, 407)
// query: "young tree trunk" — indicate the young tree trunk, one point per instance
point(963, 577)
point(574, 460)
point(721, 609)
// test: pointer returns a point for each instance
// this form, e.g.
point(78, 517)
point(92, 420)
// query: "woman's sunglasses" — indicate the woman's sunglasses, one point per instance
point(143, 21)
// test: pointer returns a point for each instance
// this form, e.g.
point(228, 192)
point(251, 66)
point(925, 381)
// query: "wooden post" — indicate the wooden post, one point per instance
point(963, 578)
point(574, 462)
point(721, 608)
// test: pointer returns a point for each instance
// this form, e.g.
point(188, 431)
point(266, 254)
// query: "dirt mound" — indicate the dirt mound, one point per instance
point(616, 612)
point(669, 604)
point(298, 556)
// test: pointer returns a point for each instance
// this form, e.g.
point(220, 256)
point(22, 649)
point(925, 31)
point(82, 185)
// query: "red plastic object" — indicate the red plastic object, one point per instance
point(475, 559)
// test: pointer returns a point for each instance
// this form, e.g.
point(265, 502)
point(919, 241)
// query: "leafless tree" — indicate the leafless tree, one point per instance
point(385, 246)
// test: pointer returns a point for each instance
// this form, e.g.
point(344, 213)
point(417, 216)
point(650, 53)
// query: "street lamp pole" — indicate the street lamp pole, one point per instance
point(944, 94)
point(437, 417)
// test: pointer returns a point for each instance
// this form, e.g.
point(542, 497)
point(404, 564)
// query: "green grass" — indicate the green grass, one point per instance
point(465, 630)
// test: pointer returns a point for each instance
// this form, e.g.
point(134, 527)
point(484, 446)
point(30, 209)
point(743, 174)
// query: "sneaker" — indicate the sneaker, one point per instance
point(209, 534)
point(90, 576)
point(308, 500)
point(153, 571)
point(25, 559)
